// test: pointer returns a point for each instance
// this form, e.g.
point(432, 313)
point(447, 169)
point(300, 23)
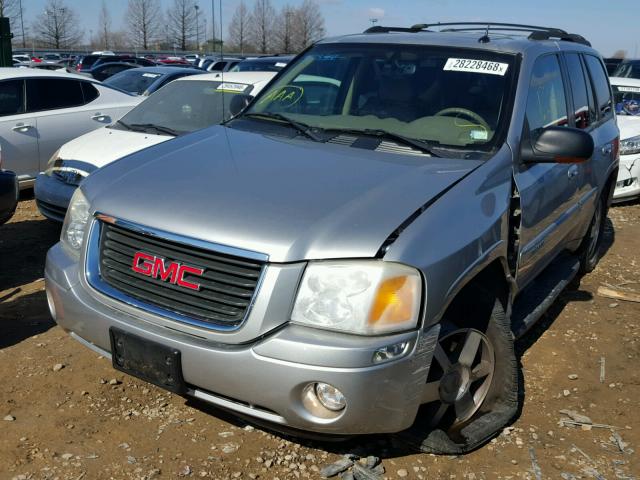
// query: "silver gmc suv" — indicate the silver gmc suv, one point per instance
point(357, 249)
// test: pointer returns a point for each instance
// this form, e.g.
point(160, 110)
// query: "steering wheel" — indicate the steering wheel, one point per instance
point(456, 111)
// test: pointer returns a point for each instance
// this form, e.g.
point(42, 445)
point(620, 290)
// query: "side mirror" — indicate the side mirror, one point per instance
point(558, 145)
point(238, 103)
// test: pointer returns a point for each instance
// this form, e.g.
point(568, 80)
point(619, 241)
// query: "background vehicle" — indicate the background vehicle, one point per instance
point(192, 58)
point(40, 110)
point(146, 80)
point(103, 71)
point(85, 64)
point(22, 58)
point(188, 104)
point(51, 58)
point(357, 250)
point(612, 64)
point(263, 64)
point(224, 65)
point(626, 97)
point(627, 69)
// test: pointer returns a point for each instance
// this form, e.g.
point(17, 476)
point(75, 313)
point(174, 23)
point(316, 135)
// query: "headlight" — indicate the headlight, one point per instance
point(52, 163)
point(364, 297)
point(629, 146)
point(73, 230)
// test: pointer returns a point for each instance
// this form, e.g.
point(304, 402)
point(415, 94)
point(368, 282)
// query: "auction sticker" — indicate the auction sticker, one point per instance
point(476, 66)
point(628, 89)
point(232, 87)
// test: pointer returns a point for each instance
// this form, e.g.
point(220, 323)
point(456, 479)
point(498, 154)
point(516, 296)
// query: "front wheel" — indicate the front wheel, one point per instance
point(472, 387)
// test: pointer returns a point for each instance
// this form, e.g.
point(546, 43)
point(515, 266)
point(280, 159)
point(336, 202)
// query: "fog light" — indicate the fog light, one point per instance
point(390, 352)
point(330, 397)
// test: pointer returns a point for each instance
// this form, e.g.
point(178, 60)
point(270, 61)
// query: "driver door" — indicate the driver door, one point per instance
point(548, 191)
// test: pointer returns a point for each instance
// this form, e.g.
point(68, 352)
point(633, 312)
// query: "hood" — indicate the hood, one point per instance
point(290, 199)
point(105, 145)
point(629, 126)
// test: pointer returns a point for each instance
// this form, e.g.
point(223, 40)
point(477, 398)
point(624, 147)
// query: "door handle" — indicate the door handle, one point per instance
point(98, 116)
point(573, 171)
point(21, 127)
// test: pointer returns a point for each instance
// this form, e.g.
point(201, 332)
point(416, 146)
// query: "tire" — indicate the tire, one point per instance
point(589, 250)
point(459, 429)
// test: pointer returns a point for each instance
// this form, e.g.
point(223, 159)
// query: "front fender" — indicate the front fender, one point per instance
point(460, 234)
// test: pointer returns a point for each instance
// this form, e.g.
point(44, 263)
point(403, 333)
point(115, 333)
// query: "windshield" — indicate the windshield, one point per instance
point(184, 106)
point(626, 99)
point(628, 69)
point(133, 81)
point(444, 96)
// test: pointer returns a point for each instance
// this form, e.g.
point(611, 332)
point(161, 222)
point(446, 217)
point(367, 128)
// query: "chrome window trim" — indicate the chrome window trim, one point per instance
point(94, 279)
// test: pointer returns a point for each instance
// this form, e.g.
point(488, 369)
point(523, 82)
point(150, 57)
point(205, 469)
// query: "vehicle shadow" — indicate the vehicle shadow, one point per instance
point(23, 249)
point(23, 316)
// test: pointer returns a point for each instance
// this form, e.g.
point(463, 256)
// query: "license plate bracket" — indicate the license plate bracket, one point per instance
point(150, 361)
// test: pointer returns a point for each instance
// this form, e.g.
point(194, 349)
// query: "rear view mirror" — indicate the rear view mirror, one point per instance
point(238, 103)
point(559, 145)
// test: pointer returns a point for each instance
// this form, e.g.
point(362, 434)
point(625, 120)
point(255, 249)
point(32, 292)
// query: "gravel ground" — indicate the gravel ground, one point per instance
point(69, 415)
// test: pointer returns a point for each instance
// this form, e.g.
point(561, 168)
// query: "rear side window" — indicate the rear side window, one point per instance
point(89, 92)
point(583, 111)
point(546, 103)
point(53, 94)
point(11, 97)
point(600, 85)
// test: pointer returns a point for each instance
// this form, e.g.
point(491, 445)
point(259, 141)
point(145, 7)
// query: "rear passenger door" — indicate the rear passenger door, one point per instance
point(605, 137)
point(547, 190)
point(59, 106)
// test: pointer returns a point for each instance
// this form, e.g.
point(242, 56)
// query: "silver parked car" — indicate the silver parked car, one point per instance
point(356, 251)
point(41, 110)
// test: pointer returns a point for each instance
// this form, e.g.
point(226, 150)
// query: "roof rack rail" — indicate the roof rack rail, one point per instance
point(536, 32)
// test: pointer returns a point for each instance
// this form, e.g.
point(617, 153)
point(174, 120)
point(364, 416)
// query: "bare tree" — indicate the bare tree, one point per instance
point(261, 25)
point(104, 21)
point(57, 26)
point(309, 24)
point(239, 28)
point(284, 30)
point(181, 22)
point(143, 20)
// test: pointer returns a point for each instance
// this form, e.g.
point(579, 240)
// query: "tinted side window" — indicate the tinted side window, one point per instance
point(52, 94)
point(600, 85)
point(89, 92)
point(584, 116)
point(11, 97)
point(546, 103)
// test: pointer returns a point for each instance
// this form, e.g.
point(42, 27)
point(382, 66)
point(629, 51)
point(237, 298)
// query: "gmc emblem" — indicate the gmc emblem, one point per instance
point(156, 267)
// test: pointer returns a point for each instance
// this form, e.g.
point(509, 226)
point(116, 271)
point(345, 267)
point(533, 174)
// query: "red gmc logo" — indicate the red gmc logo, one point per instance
point(156, 267)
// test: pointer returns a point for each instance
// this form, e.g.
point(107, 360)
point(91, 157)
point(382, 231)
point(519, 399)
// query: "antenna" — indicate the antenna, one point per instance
point(221, 56)
point(485, 38)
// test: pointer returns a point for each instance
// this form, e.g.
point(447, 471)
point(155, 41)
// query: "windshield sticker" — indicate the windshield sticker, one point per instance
point(476, 66)
point(629, 89)
point(231, 87)
point(286, 96)
point(479, 134)
point(151, 75)
point(281, 64)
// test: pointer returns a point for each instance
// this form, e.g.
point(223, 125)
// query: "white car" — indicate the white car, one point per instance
point(180, 107)
point(626, 93)
point(41, 109)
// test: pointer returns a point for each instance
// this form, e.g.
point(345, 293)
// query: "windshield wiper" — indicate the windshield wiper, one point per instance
point(125, 125)
point(145, 127)
point(300, 127)
point(396, 137)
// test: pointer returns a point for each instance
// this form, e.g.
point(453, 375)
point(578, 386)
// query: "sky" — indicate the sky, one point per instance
point(603, 23)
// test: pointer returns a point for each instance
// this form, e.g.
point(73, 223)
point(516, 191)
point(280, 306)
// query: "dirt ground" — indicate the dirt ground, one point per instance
point(69, 415)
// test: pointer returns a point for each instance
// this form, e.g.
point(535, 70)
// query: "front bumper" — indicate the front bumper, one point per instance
point(266, 378)
point(53, 196)
point(628, 181)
